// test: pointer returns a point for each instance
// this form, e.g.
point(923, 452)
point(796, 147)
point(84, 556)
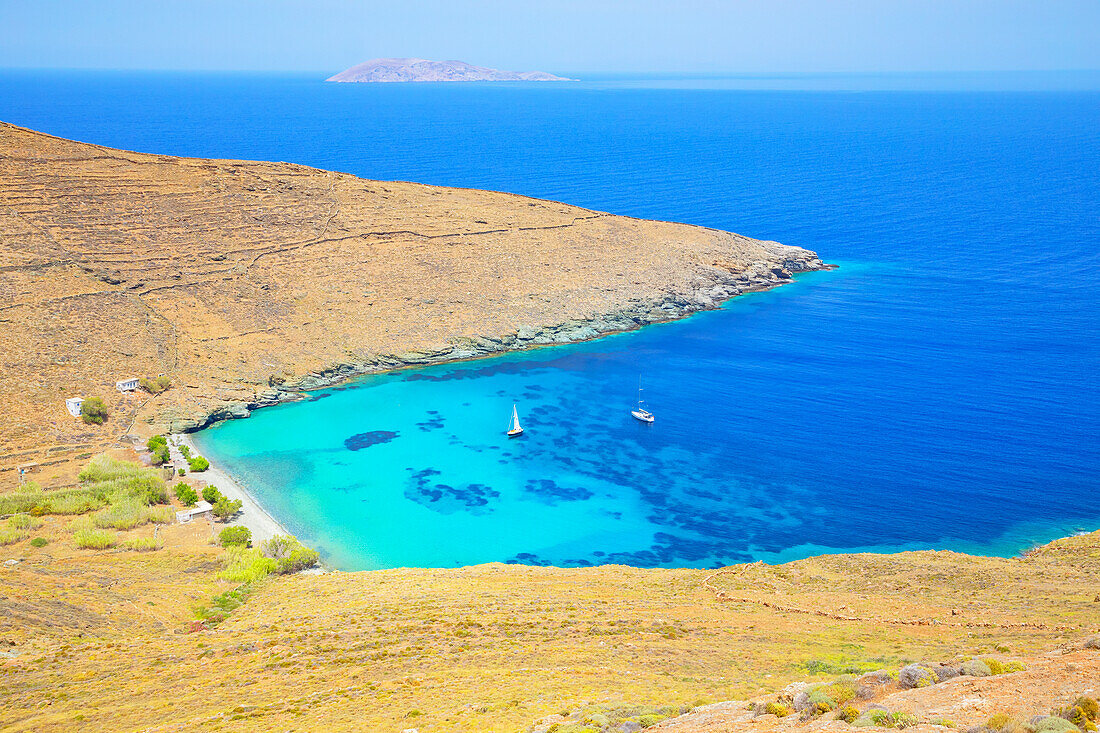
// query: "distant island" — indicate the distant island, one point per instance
point(385, 70)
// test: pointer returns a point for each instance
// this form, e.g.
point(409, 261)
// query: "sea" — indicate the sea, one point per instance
point(939, 390)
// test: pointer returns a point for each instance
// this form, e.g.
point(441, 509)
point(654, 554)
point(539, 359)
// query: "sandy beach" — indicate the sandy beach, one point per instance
point(252, 514)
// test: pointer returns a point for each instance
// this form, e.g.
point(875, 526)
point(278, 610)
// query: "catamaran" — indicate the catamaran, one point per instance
point(641, 413)
point(514, 427)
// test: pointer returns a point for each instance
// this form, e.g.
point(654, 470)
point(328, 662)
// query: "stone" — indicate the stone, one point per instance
point(916, 675)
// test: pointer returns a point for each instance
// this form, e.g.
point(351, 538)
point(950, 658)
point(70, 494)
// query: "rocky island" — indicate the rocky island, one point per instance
point(393, 70)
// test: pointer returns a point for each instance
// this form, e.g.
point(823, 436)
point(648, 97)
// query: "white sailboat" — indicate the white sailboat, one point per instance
point(641, 413)
point(514, 427)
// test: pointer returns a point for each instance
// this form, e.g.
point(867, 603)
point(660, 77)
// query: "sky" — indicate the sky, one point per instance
point(604, 36)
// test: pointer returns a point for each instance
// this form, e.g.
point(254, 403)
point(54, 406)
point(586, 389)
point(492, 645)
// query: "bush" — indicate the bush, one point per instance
point(75, 502)
point(11, 536)
point(198, 464)
point(161, 455)
point(156, 441)
point(1015, 667)
point(24, 521)
point(143, 544)
point(999, 721)
point(156, 385)
point(848, 714)
point(130, 512)
point(185, 451)
point(995, 666)
point(186, 494)
point(976, 668)
point(105, 475)
point(211, 494)
point(1089, 706)
point(93, 411)
point(226, 508)
point(777, 709)
point(39, 542)
point(1055, 724)
point(247, 565)
point(874, 718)
point(93, 539)
point(182, 472)
point(239, 536)
point(289, 554)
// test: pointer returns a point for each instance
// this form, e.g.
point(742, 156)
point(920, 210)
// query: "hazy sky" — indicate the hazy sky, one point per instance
point(556, 35)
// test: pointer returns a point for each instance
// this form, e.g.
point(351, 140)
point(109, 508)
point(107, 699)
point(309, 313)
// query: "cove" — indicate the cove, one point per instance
point(764, 448)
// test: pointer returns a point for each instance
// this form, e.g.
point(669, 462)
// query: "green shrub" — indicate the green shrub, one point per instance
point(92, 539)
point(157, 440)
point(226, 508)
point(185, 451)
point(240, 536)
point(156, 385)
point(198, 464)
point(93, 411)
point(24, 521)
point(820, 700)
point(105, 475)
point(999, 721)
point(182, 472)
point(976, 668)
point(11, 536)
point(840, 691)
point(74, 502)
point(648, 721)
point(39, 542)
point(995, 666)
point(777, 709)
point(1055, 724)
point(289, 554)
point(143, 544)
point(848, 713)
point(211, 494)
point(904, 720)
point(187, 495)
point(874, 718)
point(944, 722)
point(247, 565)
point(161, 455)
point(1014, 667)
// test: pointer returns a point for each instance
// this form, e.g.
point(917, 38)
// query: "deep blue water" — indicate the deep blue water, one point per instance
point(939, 390)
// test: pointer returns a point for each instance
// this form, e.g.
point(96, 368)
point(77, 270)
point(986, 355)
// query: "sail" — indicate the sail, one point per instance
point(515, 419)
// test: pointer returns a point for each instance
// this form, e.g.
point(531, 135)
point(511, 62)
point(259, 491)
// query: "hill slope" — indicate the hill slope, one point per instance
point(246, 281)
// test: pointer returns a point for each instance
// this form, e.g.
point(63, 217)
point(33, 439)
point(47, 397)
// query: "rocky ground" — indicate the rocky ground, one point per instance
point(245, 282)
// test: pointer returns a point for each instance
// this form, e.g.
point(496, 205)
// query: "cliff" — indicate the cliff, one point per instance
point(245, 282)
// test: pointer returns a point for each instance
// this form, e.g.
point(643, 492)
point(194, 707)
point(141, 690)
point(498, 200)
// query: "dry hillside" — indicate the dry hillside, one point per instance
point(245, 281)
point(100, 641)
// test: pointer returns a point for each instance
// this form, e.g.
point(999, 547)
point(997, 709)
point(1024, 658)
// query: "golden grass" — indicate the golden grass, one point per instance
point(495, 647)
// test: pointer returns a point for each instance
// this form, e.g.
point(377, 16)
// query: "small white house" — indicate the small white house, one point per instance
point(127, 385)
point(73, 405)
point(186, 515)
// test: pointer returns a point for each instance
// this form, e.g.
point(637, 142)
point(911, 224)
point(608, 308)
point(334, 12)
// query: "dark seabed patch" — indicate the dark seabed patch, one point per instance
point(359, 441)
point(549, 492)
point(446, 499)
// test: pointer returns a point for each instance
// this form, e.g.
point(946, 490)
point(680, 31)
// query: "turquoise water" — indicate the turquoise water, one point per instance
point(938, 390)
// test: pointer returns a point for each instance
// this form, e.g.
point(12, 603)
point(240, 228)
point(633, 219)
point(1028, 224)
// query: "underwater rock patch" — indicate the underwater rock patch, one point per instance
point(359, 441)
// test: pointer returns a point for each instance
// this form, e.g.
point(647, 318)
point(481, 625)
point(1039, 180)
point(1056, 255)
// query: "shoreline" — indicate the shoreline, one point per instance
point(252, 515)
point(666, 310)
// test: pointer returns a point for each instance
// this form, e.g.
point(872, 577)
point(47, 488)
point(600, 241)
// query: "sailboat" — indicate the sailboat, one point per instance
point(641, 413)
point(514, 428)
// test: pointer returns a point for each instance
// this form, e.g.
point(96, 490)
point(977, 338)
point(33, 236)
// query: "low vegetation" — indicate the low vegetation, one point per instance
point(158, 447)
point(226, 508)
point(198, 464)
point(93, 411)
point(186, 494)
point(94, 539)
point(235, 536)
point(143, 544)
point(156, 385)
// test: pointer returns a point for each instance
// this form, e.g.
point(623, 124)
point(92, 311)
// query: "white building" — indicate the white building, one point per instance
point(186, 515)
point(73, 405)
point(127, 385)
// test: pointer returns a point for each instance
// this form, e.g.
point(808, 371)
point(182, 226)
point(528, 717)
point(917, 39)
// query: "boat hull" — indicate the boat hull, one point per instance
point(515, 433)
point(642, 416)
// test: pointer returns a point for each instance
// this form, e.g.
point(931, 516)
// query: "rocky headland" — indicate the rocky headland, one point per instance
point(411, 69)
point(245, 283)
